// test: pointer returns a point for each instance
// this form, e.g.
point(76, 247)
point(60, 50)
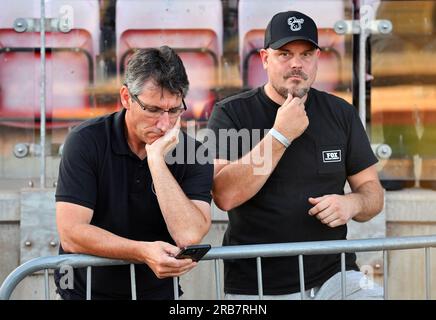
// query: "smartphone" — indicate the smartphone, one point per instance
point(195, 252)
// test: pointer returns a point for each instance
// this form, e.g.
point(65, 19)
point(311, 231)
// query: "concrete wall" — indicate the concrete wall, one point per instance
point(17, 173)
point(9, 232)
point(410, 212)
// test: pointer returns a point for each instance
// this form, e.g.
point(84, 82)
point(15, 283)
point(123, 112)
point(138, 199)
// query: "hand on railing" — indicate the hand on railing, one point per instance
point(160, 257)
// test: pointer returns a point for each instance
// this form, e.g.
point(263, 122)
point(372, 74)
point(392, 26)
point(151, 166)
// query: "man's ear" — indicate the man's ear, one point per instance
point(125, 97)
point(264, 57)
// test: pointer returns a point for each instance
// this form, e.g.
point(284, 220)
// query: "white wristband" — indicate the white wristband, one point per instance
point(281, 138)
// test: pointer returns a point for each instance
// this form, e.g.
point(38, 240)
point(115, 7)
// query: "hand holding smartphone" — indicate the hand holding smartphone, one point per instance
point(194, 252)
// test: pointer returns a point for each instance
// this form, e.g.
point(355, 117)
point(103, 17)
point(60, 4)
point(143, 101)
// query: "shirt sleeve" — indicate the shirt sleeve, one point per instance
point(198, 178)
point(77, 181)
point(360, 155)
point(223, 132)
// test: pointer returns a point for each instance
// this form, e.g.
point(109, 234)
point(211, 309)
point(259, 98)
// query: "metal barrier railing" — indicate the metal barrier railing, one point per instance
point(258, 251)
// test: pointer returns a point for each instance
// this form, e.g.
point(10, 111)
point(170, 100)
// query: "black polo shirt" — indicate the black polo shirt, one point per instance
point(99, 171)
point(317, 163)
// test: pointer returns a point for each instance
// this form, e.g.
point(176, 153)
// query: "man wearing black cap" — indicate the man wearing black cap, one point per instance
point(315, 143)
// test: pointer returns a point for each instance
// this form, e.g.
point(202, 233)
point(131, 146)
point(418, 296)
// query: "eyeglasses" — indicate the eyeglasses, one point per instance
point(155, 112)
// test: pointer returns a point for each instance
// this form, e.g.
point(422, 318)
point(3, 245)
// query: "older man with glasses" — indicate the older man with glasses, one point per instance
point(117, 197)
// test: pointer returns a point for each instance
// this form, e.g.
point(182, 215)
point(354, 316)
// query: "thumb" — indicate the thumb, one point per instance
point(314, 201)
point(170, 138)
point(288, 99)
point(178, 123)
point(174, 131)
point(170, 249)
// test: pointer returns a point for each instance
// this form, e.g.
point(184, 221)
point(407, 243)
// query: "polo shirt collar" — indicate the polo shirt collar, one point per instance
point(119, 142)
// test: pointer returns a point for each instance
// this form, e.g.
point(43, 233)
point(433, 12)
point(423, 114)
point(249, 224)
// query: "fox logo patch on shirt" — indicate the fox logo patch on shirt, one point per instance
point(331, 156)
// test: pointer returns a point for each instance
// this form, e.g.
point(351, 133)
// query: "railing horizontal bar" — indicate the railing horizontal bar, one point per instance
point(227, 252)
point(52, 262)
point(319, 247)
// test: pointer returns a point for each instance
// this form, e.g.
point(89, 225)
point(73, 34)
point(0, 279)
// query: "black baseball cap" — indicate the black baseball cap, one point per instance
point(289, 26)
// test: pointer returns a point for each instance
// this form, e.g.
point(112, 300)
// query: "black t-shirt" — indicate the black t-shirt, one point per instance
point(99, 171)
point(333, 147)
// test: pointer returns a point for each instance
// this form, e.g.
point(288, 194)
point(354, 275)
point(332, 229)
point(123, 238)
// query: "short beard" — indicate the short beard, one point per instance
point(296, 92)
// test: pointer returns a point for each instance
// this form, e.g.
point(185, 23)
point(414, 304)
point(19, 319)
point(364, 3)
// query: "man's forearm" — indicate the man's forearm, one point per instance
point(368, 199)
point(185, 221)
point(240, 180)
point(89, 239)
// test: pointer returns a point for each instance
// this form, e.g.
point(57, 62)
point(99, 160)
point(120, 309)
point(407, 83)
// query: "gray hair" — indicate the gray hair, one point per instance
point(162, 66)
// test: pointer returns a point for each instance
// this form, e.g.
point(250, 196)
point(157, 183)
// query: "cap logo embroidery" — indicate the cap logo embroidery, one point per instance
point(331, 156)
point(295, 23)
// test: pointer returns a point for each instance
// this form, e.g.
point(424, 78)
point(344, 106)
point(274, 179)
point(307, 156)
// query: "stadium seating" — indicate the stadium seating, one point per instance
point(254, 16)
point(72, 43)
point(194, 28)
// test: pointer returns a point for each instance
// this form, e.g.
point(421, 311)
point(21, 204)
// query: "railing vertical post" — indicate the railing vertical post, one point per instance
point(133, 281)
point(385, 275)
point(88, 283)
point(46, 285)
point(362, 69)
point(42, 97)
point(217, 279)
point(427, 274)
point(259, 277)
point(176, 288)
point(343, 277)
point(301, 273)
